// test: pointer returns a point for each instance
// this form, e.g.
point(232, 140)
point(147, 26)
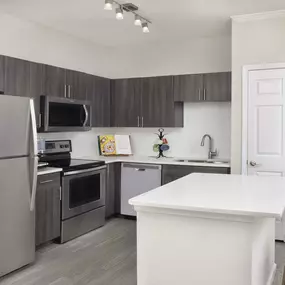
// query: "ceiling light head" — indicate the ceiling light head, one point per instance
point(108, 5)
point(119, 13)
point(138, 20)
point(145, 28)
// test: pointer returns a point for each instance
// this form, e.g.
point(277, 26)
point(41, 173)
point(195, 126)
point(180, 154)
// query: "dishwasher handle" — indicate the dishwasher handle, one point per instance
point(141, 167)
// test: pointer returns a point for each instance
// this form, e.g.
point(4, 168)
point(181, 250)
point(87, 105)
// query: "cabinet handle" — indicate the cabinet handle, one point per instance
point(138, 121)
point(69, 91)
point(60, 197)
point(45, 182)
point(199, 94)
point(204, 94)
point(142, 121)
point(65, 86)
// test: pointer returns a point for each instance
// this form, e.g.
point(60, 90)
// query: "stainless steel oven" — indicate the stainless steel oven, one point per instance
point(83, 191)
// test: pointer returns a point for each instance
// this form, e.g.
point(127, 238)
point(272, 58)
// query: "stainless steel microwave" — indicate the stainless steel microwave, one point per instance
point(64, 115)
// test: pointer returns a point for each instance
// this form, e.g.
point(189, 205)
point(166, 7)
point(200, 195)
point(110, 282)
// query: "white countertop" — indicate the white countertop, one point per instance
point(48, 170)
point(151, 160)
point(222, 194)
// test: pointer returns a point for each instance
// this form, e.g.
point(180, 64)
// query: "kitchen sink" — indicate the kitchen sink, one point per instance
point(213, 161)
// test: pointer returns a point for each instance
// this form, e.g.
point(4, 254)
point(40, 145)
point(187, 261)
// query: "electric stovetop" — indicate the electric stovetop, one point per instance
point(68, 164)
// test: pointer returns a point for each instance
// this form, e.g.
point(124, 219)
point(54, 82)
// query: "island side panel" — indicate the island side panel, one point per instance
point(186, 249)
point(263, 252)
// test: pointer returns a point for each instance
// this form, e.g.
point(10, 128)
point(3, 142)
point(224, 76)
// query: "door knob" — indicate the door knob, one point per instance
point(254, 164)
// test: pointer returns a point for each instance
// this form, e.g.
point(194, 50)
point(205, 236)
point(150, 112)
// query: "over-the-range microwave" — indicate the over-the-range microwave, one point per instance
point(64, 115)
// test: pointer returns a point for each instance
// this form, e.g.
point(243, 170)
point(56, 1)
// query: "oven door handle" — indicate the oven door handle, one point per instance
point(84, 171)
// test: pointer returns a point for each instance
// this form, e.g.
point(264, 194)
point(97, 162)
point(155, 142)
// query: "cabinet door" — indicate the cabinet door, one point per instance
point(110, 190)
point(2, 73)
point(54, 83)
point(98, 93)
point(157, 102)
point(217, 87)
point(207, 169)
point(17, 76)
point(125, 103)
point(48, 208)
point(173, 172)
point(188, 88)
point(36, 88)
point(76, 84)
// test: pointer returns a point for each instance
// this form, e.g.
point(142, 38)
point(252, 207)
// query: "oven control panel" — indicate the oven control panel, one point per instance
point(61, 146)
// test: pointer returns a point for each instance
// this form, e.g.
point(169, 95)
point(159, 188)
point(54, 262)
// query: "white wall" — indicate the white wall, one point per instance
point(200, 118)
point(255, 40)
point(191, 56)
point(27, 40)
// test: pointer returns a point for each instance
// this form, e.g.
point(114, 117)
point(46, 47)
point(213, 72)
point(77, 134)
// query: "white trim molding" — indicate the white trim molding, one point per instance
point(245, 82)
point(258, 16)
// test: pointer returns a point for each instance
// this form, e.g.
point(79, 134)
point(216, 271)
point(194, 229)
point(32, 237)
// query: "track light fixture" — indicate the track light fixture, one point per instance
point(131, 8)
point(119, 13)
point(108, 5)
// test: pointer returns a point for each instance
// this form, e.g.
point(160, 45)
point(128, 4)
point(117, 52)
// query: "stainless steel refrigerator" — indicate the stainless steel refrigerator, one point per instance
point(18, 179)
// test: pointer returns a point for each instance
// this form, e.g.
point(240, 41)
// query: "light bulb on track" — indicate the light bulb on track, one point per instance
point(119, 13)
point(145, 28)
point(138, 21)
point(108, 5)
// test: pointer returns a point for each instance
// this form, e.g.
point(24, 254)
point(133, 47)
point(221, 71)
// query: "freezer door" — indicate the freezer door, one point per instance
point(17, 221)
point(16, 127)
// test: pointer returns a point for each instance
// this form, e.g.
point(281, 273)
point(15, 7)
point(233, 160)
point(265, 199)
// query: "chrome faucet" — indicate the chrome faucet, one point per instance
point(211, 153)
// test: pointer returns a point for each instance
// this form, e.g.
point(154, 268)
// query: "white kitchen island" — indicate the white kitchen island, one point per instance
point(208, 229)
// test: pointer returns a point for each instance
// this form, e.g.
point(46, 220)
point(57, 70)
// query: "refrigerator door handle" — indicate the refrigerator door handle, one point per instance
point(33, 155)
point(34, 184)
point(34, 151)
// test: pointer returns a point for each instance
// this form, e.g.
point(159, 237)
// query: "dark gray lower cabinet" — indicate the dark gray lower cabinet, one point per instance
point(113, 191)
point(173, 172)
point(48, 208)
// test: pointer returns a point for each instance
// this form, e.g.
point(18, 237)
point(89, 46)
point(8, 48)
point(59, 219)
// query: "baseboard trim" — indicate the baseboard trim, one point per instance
point(272, 275)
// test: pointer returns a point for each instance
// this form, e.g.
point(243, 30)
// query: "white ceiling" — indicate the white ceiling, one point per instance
point(173, 20)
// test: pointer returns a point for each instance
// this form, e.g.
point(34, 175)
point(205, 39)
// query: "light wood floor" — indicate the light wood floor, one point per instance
point(106, 256)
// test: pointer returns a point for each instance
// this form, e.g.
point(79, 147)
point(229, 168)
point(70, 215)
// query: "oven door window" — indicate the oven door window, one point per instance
point(84, 190)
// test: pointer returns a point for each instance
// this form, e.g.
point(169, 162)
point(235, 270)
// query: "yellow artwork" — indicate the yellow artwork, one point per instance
point(107, 145)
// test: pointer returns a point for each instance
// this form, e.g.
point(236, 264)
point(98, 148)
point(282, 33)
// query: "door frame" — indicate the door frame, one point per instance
point(246, 69)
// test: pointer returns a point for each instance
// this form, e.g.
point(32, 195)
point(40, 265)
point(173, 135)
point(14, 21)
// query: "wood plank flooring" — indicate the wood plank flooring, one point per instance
point(106, 256)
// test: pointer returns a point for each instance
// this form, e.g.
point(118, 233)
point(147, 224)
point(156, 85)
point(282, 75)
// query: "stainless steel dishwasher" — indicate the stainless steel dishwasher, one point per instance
point(137, 179)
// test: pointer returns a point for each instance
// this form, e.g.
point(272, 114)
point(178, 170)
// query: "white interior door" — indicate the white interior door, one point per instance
point(266, 126)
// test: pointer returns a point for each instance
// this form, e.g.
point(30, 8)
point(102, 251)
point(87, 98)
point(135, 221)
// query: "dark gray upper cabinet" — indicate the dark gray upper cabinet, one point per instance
point(210, 87)
point(36, 88)
point(125, 102)
point(217, 87)
point(157, 107)
point(17, 77)
point(2, 74)
point(98, 93)
point(188, 88)
point(48, 208)
point(76, 85)
point(145, 102)
point(54, 83)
